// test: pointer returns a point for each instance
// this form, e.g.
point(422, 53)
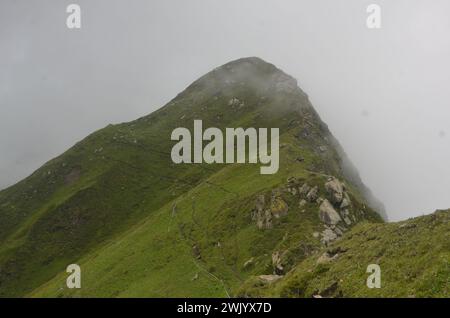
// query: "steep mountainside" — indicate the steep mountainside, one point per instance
point(140, 225)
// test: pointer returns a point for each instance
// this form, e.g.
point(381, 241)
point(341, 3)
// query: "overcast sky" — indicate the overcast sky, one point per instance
point(385, 93)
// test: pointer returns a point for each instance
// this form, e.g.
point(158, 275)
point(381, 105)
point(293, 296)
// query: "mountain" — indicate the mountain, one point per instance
point(140, 225)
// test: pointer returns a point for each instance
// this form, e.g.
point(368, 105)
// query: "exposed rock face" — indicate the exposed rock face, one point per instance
point(346, 216)
point(262, 216)
point(328, 214)
point(335, 210)
point(336, 189)
point(278, 207)
point(312, 194)
point(264, 213)
point(346, 202)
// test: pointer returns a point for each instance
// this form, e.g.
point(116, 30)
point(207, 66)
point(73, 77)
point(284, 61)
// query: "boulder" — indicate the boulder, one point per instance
point(336, 189)
point(278, 207)
point(328, 236)
point(312, 194)
point(345, 201)
point(328, 214)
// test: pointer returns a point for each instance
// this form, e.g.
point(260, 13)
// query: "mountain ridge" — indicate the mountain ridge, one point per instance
point(140, 225)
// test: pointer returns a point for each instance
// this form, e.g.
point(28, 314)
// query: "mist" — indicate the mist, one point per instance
point(384, 93)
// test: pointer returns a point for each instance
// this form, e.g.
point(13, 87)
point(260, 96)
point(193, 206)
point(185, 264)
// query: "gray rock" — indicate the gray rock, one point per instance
point(328, 214)
point(338, 231)
point(312, 194)
point(292, 191)
point(304, 189)
point(336, 189)
point(345, 201)
point(234, 102)
point(261, 215)
point(264, 213)
point(347, 220)
point(328, 236)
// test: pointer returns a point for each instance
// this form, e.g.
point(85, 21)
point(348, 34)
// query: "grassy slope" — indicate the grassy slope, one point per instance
point(118, 176)
point(156, 258)
point(414, 257)
point(141, 226)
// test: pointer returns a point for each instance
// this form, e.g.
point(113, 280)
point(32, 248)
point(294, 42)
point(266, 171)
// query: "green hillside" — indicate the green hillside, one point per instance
point(141, 226)
point(413, 255)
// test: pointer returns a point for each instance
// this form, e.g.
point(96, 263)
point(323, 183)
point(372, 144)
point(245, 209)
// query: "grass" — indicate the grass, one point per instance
point(414, 257)
point(141, 226)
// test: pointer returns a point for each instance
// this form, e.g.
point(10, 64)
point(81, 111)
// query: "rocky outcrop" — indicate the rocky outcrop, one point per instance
point(333, 203)
point(264, 212)
point(313, 194)
point(278, 207)
point(336, 212)
point(235, 102)
point(304, 189)
point(328, 214)
point(336, 190)
point(261, 215)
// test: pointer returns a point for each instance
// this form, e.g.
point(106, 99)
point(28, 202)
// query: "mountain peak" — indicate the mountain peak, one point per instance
point(124, 176)
point(248, 72)
point(251, 60)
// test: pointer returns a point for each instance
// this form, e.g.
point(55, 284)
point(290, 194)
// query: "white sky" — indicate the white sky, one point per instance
point(385, 94)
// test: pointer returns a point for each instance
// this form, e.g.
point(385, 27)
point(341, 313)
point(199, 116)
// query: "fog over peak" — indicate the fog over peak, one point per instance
point(383, 93)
